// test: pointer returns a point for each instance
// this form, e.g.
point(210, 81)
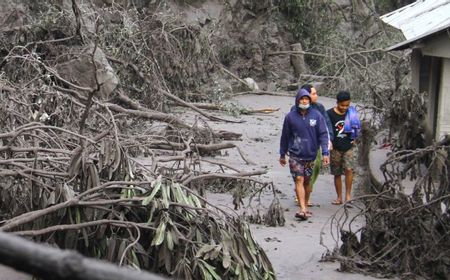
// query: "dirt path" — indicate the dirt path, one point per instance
point(293, 249)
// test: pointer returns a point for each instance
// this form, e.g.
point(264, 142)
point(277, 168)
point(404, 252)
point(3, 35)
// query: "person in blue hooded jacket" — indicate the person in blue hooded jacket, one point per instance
point(304, 131)
point(316, 169)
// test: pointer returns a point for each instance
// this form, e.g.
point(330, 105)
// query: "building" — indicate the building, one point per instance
point(426, 27)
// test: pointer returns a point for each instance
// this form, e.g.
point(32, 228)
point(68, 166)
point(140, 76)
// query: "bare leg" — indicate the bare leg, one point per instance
point(338, 187)
point(348, 184)
point(300, 192)
point(308, 191)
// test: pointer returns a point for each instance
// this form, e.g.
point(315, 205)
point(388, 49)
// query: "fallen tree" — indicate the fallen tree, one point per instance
point(51, 263)
point(73, 142)
point(84, 192)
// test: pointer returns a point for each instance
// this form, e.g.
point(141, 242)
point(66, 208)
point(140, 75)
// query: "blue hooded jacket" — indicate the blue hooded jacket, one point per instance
point(302, 135)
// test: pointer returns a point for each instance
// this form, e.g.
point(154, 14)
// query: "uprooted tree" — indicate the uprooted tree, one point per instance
point(404, 234)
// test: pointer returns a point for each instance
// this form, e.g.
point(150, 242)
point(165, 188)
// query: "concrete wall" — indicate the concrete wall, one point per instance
point(443, 114)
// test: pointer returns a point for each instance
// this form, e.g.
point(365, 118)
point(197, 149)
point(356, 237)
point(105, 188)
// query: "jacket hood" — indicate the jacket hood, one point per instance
point(302, 92)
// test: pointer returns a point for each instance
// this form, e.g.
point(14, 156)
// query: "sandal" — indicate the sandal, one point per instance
point(308, 213)
point(302, 216)
point(336, 202)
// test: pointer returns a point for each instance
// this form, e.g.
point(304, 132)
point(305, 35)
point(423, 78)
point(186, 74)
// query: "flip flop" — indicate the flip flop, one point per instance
point(336, 202)
point(302, 216)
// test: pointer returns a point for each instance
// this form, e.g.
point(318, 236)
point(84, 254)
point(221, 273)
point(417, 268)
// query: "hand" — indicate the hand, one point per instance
point(330, 145)
point(326, 160)
point(283, 161)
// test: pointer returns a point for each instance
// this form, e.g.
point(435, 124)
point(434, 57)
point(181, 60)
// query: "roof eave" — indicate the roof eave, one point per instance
point(416, 42)
point(405, 45)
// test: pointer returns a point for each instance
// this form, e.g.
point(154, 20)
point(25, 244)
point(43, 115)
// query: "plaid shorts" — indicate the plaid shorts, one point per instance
point(299, 167)
point(340, 161)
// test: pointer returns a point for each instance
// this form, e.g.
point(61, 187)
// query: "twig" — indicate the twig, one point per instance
point(241, 175)
point(263, 93)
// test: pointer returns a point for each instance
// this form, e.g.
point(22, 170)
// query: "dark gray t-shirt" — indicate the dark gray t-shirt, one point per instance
point(341, 141)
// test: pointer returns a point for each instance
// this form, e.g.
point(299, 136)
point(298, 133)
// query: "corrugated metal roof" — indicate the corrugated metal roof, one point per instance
point(406, 44)
point(420, 18)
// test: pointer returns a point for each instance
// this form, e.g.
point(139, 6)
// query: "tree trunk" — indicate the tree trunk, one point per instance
point(298, 60)
point(52, 263)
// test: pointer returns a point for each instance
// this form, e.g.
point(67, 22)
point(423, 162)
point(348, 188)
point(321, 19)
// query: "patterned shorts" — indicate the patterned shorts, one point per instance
point(340, 161)
point(300, 167)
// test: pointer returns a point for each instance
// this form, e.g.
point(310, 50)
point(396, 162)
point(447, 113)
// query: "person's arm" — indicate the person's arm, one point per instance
point(327, 120)
point(284, 141)
point(324, 140)
point(329, 126)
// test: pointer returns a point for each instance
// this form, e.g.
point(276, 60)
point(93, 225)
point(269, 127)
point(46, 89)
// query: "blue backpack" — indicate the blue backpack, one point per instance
point(352, 124)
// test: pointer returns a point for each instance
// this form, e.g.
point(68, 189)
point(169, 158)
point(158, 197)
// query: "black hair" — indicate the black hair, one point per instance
point(307, 87)
point(343, 95)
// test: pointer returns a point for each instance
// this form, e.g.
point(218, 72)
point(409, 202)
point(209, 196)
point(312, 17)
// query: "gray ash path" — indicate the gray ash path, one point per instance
point(7, 273)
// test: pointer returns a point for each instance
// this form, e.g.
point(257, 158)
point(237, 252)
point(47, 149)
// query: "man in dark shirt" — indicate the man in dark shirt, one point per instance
point(341, 156)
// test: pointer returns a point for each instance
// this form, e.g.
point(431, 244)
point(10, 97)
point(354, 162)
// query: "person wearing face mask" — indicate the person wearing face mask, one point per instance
point(304, 132)
point(342, 158)
point(319, 107)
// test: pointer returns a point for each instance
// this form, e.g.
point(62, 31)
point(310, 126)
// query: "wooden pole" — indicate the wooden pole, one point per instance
point(52, 263)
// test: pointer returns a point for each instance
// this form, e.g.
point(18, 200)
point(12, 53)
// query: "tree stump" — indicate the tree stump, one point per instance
point(298, 60)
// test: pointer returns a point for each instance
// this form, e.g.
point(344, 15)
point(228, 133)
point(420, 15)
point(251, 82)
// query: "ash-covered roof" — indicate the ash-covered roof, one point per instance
point(419, 20)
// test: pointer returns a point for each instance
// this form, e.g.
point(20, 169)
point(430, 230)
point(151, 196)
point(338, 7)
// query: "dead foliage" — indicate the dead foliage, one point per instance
point(86, 193)
point(68, 167)
point(406, 231)
point(406, 119)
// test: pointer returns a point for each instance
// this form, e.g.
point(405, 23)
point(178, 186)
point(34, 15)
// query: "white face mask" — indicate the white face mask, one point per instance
point(303, 106)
